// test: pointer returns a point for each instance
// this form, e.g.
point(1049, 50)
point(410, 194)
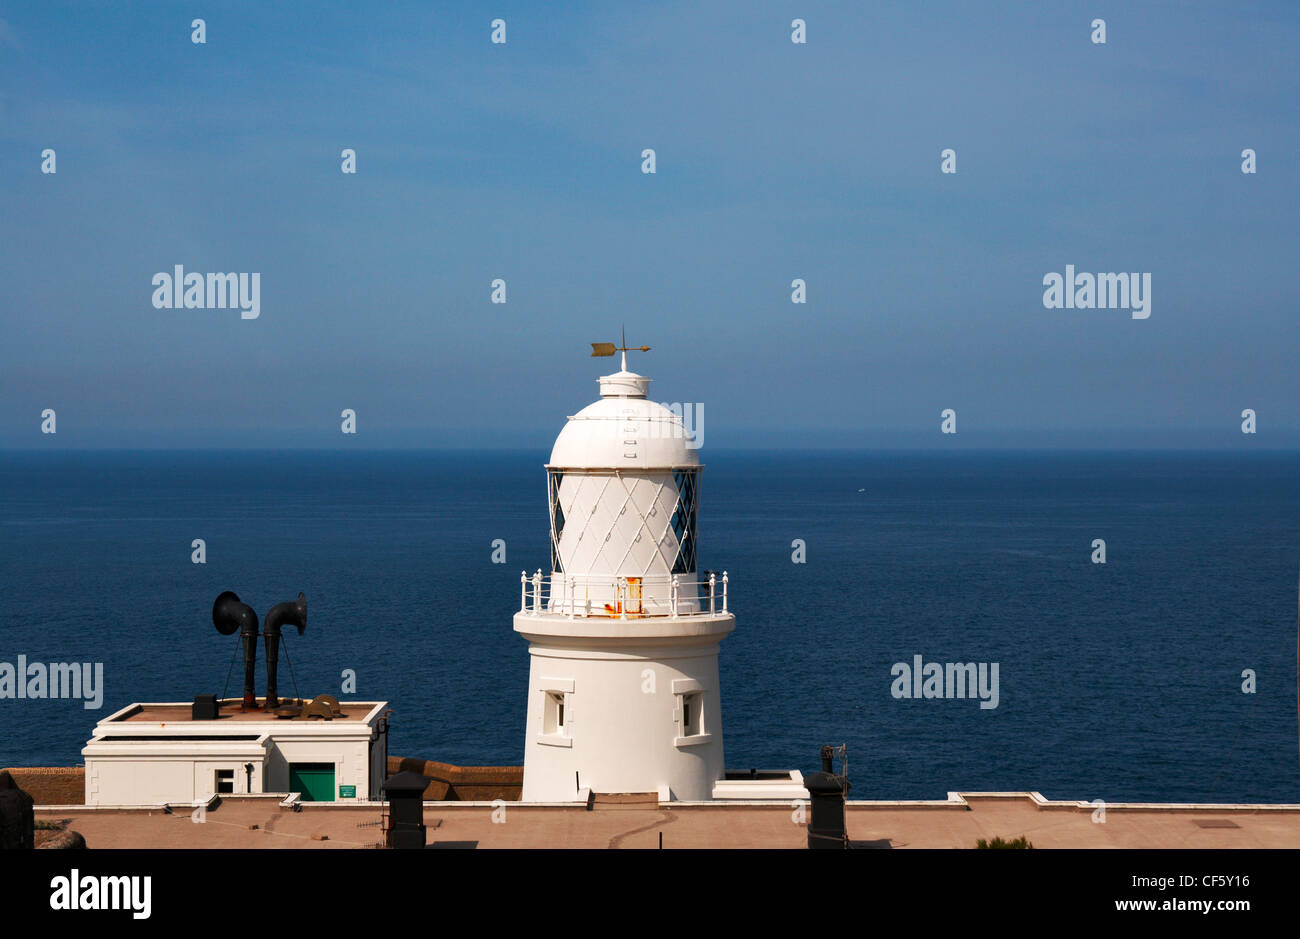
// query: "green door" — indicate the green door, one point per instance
point(315, 781)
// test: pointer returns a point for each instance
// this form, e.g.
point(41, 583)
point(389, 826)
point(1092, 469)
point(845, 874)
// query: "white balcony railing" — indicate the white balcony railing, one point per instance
point(611, 597)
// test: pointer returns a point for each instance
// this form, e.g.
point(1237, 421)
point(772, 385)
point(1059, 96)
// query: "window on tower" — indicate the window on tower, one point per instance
point(553, 719)
point(685, 519)
point(557, 519)
point(688, 713)
point(692, 712)
point(555, 723)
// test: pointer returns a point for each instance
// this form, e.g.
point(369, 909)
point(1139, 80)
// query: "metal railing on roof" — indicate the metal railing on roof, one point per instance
point(621, 597)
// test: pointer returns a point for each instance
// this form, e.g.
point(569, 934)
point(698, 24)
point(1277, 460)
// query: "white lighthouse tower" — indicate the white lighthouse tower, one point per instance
point(623, 693)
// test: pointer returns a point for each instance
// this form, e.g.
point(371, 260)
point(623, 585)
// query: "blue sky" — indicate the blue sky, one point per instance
point(775, 161)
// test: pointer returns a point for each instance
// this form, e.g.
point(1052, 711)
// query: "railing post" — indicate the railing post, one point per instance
point(724, 591)
point(622, 597)
point(672, 596)
point(569, 593)
point(537, 591)
point(523, 591)
point(713, 579)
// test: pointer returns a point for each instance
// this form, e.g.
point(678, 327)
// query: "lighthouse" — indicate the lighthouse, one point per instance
point(623, 633)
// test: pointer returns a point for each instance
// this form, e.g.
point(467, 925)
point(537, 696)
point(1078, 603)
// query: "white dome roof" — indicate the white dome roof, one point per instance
point(624, 430)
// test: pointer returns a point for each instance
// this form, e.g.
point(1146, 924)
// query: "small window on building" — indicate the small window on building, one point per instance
point(553, 720)
point(225, 780)
point(692, 708)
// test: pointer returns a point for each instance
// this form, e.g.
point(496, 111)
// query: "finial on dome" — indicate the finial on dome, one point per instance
point(622, 384)
point(608, 348)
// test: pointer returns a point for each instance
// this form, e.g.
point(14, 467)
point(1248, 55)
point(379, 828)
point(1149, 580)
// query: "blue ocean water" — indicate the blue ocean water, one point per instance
point(1119, 681)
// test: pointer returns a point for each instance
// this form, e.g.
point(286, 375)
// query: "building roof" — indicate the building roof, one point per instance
point(624, 430)
point(229, 712)
point(259, 822)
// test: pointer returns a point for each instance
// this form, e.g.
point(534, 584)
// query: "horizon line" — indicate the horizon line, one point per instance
point(964, 448)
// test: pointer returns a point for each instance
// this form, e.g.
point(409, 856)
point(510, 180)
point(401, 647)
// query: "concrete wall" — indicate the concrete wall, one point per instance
point(140, 782)
point(66, 785)
point(122, 772)
point(464, 783)
point(205, 776)
point(351, 759)
point(624, 729)
point(51, 785)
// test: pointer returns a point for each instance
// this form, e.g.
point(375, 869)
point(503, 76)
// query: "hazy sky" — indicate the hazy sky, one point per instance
point(775, 161)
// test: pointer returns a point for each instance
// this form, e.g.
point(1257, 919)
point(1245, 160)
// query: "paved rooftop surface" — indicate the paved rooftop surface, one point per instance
point(182, 714)
point(694, 826)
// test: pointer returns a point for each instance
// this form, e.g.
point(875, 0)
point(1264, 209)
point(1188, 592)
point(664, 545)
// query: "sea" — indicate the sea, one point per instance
point(1167, 673)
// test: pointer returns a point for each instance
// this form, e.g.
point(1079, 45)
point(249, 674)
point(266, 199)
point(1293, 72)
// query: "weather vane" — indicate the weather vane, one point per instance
point(608, 348)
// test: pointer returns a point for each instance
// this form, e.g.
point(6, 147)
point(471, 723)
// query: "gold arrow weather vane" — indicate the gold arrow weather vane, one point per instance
point(608, 348)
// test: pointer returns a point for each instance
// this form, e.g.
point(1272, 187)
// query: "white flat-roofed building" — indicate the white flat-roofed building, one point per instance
point(152, 754)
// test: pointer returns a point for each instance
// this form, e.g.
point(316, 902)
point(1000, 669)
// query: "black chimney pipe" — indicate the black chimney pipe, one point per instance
point(827, 791)
point(294, 614)
point(230, 615)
